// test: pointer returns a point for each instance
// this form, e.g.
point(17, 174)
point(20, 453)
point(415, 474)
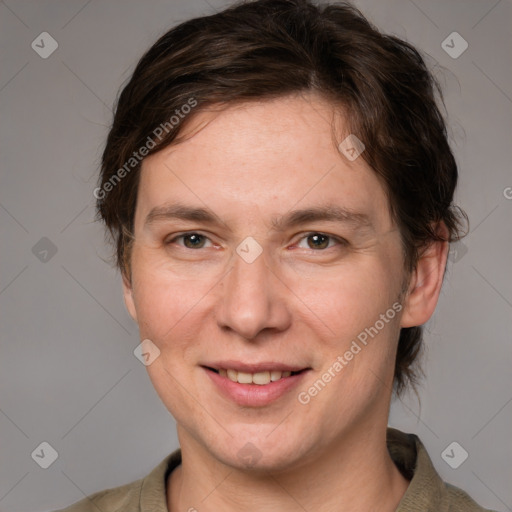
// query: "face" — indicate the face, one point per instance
point(261, 250)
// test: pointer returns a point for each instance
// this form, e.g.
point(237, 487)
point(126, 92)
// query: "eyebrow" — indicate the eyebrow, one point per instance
point(181, 212)
point(329, 213)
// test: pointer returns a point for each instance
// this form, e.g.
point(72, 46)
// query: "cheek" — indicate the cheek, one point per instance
point(167, 302)
point(347, 298)
point(169, 310)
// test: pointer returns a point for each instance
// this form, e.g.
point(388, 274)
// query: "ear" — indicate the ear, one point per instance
point(128, 296)
point(426, 281)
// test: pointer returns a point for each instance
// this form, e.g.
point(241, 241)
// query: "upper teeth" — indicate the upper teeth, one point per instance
point(260, 378)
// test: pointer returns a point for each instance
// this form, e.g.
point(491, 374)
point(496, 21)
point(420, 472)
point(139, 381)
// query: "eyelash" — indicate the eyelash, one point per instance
point(339, 241)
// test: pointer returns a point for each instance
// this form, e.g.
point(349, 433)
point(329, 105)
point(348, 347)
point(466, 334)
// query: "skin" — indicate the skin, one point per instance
point(302, 301)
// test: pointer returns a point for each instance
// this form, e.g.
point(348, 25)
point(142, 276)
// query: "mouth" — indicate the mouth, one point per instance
point(260, 378)
point(255, 385)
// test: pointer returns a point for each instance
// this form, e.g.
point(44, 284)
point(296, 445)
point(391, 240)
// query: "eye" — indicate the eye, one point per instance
point(319, 241)
point(191, 240)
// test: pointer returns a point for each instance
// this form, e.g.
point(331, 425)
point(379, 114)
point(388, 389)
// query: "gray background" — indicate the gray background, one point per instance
point(68, 374)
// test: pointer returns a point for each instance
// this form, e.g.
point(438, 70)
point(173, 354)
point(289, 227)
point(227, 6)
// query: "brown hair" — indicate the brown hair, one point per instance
point(267, 49)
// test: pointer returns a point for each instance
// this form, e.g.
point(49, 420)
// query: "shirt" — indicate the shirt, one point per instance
point(426, 491)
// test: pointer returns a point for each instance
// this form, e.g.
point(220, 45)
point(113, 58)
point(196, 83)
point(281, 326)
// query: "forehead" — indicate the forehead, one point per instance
point(263, 157)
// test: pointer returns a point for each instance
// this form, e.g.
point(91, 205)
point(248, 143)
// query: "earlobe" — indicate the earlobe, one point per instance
point(425, 284)
point(128, 297)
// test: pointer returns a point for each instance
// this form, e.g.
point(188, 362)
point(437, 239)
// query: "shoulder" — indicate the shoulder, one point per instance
point(459, 501)
point(148, 493)
point(427, 492)
point(125, 498)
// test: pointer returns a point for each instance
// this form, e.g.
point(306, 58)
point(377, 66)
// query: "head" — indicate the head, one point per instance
point(278, 183)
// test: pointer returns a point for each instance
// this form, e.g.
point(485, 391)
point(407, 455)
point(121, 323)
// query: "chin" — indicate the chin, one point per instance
point(258, 455)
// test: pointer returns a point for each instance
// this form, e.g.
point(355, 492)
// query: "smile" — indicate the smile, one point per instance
point(259, 378)
point(257, 388)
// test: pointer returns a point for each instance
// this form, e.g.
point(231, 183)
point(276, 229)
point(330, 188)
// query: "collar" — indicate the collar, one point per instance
point(426, 491)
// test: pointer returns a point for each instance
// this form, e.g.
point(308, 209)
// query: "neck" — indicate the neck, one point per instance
point(354, 473)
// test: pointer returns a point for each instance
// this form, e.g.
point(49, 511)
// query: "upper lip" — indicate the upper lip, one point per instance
point(262, 366)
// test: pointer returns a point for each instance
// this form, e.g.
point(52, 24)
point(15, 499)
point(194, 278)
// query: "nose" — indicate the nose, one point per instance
point(253, 299)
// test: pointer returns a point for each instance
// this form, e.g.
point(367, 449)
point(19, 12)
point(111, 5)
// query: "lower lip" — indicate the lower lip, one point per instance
point(254, 395)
